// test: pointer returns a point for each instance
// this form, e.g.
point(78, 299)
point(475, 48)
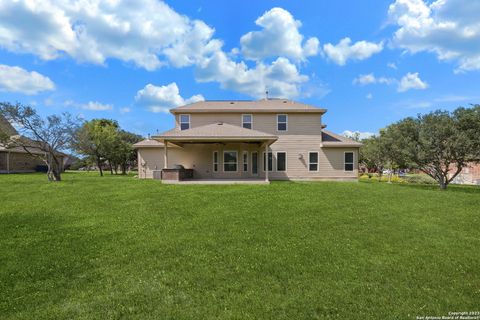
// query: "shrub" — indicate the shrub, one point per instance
point(419, 179)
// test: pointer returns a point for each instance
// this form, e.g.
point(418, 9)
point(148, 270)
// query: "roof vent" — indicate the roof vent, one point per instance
point(231, 102)
point(284, 101)
point(220, 123)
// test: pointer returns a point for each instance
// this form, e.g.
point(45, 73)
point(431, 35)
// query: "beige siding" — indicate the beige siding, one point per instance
point(298, 124)
point(200, 159)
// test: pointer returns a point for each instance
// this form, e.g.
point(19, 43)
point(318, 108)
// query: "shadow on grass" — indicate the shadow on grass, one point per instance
point(450, 188)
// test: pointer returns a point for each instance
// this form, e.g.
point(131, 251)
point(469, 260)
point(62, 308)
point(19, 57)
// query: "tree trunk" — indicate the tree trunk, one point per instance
point(110, 166)
point(99, 165)
point(443, 183)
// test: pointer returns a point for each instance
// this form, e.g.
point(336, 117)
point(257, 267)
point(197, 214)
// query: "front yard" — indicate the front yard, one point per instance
point(116, 247)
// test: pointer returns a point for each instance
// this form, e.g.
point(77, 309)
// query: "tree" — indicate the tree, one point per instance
point(124, 155)
point(96, 139)
point(436, 143)
point(372, 156)
point(50, 136)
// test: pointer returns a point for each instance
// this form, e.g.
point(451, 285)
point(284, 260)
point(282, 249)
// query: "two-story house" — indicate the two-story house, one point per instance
point(270, 139)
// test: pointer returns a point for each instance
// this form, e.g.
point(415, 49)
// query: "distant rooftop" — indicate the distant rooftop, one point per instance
point(264, 105)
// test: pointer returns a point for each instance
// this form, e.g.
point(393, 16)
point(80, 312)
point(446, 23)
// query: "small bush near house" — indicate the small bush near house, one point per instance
point(419, 179)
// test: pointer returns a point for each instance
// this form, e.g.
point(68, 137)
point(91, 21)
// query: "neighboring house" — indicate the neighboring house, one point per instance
point(17, 159)
point(469, 175)
point(229, 140)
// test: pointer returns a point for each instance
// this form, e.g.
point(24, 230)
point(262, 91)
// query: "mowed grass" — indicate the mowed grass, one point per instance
point(121, 248)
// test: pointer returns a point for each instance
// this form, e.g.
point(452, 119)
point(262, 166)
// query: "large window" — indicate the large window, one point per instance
point(215, 161)
point(349, 161)
point(313, 161)
point(184, 121)
point(245, 161)
point(281, 161)
point(270, 162)
point(247, 121)
point(282, 122)
point(229, 161)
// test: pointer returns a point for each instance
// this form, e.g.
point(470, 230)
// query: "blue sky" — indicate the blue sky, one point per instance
point(368, 62)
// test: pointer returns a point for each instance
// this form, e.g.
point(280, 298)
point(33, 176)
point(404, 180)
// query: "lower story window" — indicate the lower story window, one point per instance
point(348, 161)
point(245, 161)
point(270, 162)
point(313, 161)
point(281, 161)
point(229, 161)
point(215, 161)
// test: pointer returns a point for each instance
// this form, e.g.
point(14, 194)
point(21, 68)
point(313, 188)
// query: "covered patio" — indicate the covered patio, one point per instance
point(217, 153)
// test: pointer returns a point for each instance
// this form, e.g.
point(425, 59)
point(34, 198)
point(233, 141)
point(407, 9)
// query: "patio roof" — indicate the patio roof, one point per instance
point(216, 132)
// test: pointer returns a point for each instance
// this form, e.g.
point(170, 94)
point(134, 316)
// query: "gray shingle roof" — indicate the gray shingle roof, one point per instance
point(219, 131)
point(330, 139)
point(264, 106)
point(148, 143)
point(6, 127)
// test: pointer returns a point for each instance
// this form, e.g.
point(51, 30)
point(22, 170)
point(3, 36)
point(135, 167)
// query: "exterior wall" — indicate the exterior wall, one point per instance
point(199, 157)
point(468, 175)
point(19, 162)
point(298, 123)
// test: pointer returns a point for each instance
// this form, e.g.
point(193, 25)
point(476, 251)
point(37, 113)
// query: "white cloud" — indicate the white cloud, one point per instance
point(281, 78)
point(150, 34)
point(163, 98)
point(344, 50)
point(96, 106)
point(93, 31)
point(125, 110)
point(448, 28)
point(411, 81)
point(369, 96)
point(392, 65)
point(361, 135)
point(365, 79)
point(279, 37)
point(16, 79)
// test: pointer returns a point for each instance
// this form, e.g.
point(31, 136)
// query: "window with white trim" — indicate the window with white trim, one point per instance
point(215, 161)
point(282, 122)
point(348, 161)
point(230, 161)
point(281, 161)
point(247, 121)
point(313, 161)
point(245, 161)
point(270, 162)
point(184, 121)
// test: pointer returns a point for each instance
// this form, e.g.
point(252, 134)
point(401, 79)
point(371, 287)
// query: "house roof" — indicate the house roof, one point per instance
point(257, 106)
point(148, 143)
point(6, 127)
point(216, 132)
point(330, 139)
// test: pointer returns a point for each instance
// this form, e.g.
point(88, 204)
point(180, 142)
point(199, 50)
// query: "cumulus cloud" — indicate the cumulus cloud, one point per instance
point(357, 134)
point(19, 80)
point(96, 106)
point(365, 79)
point(150, 34)
point(96, 30)
point(163, 98)
point(345, 50)
point(279, 37)
point(281, 78)
point(411, 81)
point(448, 28)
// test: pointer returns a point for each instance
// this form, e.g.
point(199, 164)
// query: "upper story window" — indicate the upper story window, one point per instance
point(247, 121)
point(282, 122)
point(184, 121)
point(348, 161)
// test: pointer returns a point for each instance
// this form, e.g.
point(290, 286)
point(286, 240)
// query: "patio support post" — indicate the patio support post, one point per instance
point(8, 161)
point(165, 155)
point(266, 161)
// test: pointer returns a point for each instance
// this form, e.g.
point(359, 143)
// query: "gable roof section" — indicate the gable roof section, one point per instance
point(216, 132)
point(330, 139)
point(6, 127)
point(246, 106)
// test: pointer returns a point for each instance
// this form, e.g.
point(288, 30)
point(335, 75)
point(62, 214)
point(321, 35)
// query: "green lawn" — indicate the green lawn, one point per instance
point(121, 248)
